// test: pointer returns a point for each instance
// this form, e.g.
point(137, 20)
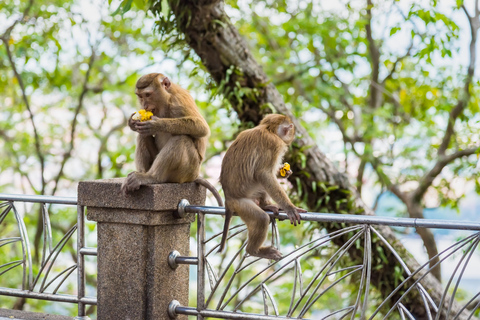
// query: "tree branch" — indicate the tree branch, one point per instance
point(67, 154)
point(5, 38)
point(466, 95)
point(375, 58)
point(6, 35)
point(442, 162)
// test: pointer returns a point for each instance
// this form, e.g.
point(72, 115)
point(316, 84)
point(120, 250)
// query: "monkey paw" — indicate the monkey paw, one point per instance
point(268, 253)
point(131, 183)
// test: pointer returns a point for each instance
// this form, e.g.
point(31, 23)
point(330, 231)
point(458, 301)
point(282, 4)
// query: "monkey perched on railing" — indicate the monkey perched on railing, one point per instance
point(248, 178)
point(171, 145)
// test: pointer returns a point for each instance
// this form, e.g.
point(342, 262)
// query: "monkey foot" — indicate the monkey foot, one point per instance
point(268, 253)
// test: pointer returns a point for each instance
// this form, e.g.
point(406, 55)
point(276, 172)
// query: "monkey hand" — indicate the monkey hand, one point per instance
point(285, 171)
point(132, 123)
point(149, 127)
point(293, 214)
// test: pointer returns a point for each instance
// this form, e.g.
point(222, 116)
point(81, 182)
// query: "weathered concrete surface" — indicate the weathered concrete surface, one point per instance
point(106, 193)
point(6, 314)
point(135, 236)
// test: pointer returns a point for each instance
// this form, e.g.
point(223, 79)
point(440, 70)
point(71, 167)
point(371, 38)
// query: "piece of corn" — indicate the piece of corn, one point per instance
point(285, 169)
point(142, 115)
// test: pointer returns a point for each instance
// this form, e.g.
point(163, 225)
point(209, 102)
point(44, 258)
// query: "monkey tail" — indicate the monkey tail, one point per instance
point(212, 189)
point(226, 226)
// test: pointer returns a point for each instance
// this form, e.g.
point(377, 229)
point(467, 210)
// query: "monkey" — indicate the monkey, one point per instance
point(171, 146)
point(248, 178)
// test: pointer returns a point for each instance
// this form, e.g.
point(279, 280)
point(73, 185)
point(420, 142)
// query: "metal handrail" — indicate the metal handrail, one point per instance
point(38, 199)
point(350, 218)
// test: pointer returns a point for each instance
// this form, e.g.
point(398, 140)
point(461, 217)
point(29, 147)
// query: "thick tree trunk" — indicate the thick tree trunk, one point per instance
point(217, 42)
point(415, 210)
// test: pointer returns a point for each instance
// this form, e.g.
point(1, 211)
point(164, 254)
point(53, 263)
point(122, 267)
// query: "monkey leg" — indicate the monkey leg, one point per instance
point(257, 222)
point(178, 161)
point(145, 152)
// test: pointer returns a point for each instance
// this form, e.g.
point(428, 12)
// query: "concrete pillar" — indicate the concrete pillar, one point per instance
point(135, 236)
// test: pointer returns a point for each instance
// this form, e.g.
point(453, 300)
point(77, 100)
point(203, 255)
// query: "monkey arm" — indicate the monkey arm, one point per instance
point(191, 125)
point(275, 191)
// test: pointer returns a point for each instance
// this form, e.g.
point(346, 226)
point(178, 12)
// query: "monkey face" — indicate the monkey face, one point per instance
point(148, 98)
point(286, 131)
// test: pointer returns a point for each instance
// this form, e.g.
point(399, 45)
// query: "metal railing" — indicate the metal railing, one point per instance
point(240, 286)
point(235, 285)
point(35, 285)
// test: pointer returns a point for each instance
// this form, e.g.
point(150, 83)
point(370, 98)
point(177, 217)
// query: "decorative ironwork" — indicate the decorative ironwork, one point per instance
point(41, 284)
point(237, 286)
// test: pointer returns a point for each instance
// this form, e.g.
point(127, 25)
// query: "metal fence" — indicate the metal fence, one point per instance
point(315, 280)
point(40, 285)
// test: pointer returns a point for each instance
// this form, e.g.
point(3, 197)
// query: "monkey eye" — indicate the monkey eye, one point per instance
point(147, 95)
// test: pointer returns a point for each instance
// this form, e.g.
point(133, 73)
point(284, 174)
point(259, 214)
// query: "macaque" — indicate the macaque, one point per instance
point(171, 146)
point(249, 179)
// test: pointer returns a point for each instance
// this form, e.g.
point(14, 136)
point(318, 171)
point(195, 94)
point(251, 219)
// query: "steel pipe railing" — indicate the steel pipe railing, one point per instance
point(38, 199)
point(349, 219)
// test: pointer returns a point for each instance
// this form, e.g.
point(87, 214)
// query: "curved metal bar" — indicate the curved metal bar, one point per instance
point(5, 211)
point(73, 268)
point(54, 254)
point(223, 274)
point(47, 232)
point(242, 260)
point(405, 310)
point(12, 240)
point(16, 262)
point(420, 287)
point(220, 233)
point(278, 270)
point(266, 293)
point(473, 310)
point(421, 277)
point(469, 250)
point(296, 272)
point(27, 256)
point(57, 276)
point(328, 236)
point(307, 306)
point(466, 305)
point(341, 252)
point(228, 238)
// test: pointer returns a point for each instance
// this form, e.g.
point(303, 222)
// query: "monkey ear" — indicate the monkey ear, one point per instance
point(166, 82)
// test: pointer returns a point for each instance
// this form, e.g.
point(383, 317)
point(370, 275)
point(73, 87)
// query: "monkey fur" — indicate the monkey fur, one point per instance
point(171, 146)
point(248, 178)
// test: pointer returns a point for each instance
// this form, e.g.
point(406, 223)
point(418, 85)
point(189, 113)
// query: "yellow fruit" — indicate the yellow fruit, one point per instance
point(285, 169)
point(142, 115)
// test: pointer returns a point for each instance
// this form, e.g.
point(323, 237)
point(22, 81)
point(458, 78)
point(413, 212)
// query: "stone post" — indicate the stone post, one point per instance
point(135, 236)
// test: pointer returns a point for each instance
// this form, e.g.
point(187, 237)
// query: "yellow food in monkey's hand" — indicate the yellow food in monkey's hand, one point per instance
point(142, 115)
point(285, 169)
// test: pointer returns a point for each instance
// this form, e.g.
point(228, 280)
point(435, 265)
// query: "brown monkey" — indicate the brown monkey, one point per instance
point(171, 146)
point(248, 178)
